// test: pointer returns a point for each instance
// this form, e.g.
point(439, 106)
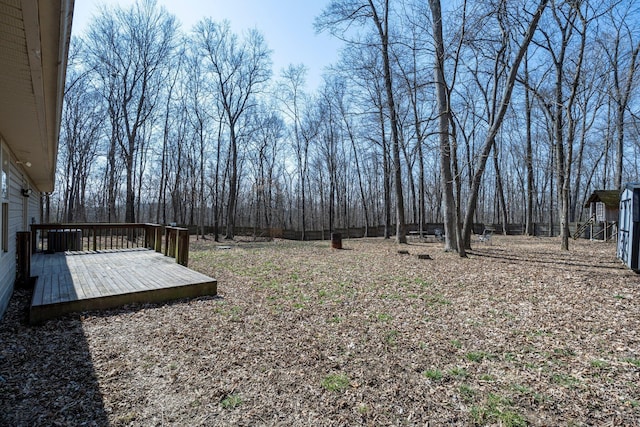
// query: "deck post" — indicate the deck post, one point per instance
point(34, 239)
point(182, 253)
point(166, 241)
point(157, 237)
point(148, 237)
point(153, 237)
point(170, 248)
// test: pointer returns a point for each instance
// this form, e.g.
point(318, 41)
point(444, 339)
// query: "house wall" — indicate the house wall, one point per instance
point(611, 214)
point(33, 210)
point(21, 210)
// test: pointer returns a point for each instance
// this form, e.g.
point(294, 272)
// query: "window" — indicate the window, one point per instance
point(5, 227)
point(600, 212)
point(4, 200)
point(4, 175)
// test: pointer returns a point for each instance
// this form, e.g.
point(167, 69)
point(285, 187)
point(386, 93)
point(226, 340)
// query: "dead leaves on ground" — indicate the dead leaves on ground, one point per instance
point(519, 333)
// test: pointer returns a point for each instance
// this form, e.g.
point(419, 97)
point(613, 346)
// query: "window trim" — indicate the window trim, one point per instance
point(5, 173)
point(5, 182)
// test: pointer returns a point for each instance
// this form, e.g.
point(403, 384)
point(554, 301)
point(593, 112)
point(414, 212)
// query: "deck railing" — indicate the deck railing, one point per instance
point(109, 236)
point(177, 244)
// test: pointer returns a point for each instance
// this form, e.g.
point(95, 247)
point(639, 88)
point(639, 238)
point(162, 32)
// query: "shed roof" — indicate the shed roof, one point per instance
point(632, 185)
point(610, 198)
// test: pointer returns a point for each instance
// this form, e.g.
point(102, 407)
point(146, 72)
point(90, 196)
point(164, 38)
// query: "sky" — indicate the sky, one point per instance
point(287, 26)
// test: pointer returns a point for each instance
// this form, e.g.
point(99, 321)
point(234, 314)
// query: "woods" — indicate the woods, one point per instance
point(467, 112)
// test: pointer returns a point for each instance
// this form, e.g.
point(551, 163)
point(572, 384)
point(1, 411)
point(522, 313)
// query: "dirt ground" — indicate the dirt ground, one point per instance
point(519, 333)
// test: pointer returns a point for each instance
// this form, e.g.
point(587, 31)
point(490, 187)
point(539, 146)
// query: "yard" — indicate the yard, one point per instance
point(519, 333)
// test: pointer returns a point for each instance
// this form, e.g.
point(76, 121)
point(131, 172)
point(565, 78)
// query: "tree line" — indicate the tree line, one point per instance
point(495, 111)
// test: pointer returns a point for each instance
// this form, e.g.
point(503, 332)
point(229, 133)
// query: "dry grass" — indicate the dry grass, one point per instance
point(519, 333)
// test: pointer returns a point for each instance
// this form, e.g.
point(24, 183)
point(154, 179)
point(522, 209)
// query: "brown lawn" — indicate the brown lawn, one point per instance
point(520, 333)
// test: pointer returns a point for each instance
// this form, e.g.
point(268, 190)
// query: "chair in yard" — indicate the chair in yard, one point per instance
point(485, 237)
point(439, 234)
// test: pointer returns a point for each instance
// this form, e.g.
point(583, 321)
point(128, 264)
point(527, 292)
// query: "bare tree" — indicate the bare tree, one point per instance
point(529, 151)
point(621, 49)
point(240, 69)
point(496, 122)
point(208, 143)
point(340, 96)
point(361, 65)
point(80, 136)
point(341, 13)
point(268, 131)
point(171, 115)
point(130, 49)
point(199, 103)
point(569, 20)
point(449, 211)
point(590, 102)
point(415, 83)
point(296, 105)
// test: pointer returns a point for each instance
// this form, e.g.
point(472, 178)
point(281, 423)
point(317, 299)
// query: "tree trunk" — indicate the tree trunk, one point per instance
point(356, 159)
point(529, 231)
point(130, 198)
point(383, 32)
point(500, 190)
point(386, 172)
point(446, 180)
point(233, 183)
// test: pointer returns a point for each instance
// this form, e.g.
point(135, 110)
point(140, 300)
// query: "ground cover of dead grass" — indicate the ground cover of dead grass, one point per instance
point(520, 333)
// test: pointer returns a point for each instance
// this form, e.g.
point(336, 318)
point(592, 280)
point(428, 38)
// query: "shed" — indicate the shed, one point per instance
point(604, 211)
point(629, 226)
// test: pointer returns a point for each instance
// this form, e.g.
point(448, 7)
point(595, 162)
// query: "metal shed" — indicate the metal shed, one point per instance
point(629, 226)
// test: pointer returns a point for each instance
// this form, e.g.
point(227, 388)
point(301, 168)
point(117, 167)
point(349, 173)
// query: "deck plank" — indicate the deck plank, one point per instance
point(81, 281)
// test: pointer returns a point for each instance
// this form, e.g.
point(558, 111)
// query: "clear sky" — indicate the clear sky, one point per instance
point(287, 26)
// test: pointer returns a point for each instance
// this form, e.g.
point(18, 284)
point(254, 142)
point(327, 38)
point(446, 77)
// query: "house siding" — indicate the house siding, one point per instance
point(33, 210)
point(19, 210)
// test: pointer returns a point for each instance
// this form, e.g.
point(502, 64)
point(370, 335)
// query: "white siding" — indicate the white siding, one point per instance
point(33, 212)
point(17, 203)
point(628, 249)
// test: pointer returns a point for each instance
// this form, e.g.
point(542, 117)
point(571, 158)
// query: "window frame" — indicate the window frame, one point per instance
point(5, 194)
point(5, 171)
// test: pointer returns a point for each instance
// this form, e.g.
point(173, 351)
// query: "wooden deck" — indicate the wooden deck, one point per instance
point(78, 281)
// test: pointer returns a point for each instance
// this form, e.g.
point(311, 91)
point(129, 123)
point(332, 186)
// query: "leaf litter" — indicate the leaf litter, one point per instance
point(519, 333)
